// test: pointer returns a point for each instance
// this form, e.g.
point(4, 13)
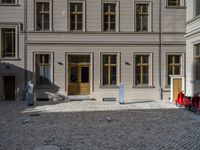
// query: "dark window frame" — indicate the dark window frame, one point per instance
point(76, 13)
point(42, 14)
point(109, 65)
point(9, 2)
point(43, 63)
point(4, 44)
point(109, 14)
point(173, 66)
point(140, 65)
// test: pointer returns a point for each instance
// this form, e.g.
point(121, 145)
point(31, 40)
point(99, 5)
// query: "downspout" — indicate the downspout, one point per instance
point(25, 48)
point(160, 50)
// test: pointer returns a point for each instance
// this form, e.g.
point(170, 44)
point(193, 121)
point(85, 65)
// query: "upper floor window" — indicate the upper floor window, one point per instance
point(197, 62)
point(9, 2)
point(76, 16)
point(175, 3)
point(109, 16)
point(143, 16)
point(8, 42)
point(42, 16)
point(197, 7)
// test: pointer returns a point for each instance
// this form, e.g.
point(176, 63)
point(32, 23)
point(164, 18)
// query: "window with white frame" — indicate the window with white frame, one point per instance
point(197, 9)
point(42, 15)
point(110, 74)
point(197, 62)
point(110, 16)
point(76, 15)
point(174, 66)
point(142, 16)
point(8, 2)
point(175, 3)
point(43, 68)
point(143, 70)
point(8, 44)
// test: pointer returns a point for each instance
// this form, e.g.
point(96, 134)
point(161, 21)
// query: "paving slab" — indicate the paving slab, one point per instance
point(47, 147)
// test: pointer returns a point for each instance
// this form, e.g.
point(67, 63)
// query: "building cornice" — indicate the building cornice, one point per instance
point(99, 32)
point(156, 43)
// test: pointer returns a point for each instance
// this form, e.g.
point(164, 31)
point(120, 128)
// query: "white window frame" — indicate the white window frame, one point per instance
point(166, 65)
point(50, 14)
point(135, 2)
point(118, 69)
point(52, 68)
point(84, 15)
point(182, 4)
point(9, 4)
point(116, 16)
point(150, 54)
point(7, 26)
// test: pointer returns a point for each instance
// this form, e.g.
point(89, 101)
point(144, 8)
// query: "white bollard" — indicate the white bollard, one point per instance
point(121, 93)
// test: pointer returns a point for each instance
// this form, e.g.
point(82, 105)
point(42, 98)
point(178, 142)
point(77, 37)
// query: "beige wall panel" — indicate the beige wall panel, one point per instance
point(173, 20)
point(93, 17)
point(60, 15)
point(93, 38)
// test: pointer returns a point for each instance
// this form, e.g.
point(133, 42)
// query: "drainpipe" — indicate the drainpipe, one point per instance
point(25, 48)
point(160, 49)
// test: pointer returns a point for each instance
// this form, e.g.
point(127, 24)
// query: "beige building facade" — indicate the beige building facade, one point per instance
point(193, 47)
point(12, 56)
point(86, 48)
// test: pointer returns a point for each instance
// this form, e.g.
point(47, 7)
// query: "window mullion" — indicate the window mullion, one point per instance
point(76, 22)
point(12, 51)
point(141, 69)
point(42, 64)
point(109, 70)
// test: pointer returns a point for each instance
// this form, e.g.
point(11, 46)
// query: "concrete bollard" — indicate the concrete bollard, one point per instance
point(121, 93)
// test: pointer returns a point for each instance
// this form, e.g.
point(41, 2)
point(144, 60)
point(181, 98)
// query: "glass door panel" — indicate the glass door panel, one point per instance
point(84, 74)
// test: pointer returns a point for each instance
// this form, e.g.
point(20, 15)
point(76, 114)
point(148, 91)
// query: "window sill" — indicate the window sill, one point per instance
point(109, 31)
point(144, 32)
point(109, 87)
point(77, 31)
point(10, 5)
point(143, 86)
point(175, 7)
point(10, 59)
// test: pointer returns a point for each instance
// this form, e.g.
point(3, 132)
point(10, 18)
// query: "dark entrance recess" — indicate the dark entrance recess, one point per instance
point(9, 87)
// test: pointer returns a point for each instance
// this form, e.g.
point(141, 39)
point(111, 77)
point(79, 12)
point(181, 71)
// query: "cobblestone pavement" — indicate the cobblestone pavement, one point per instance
point(135, 126)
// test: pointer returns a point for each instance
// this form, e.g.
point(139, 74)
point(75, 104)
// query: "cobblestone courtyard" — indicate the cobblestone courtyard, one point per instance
point(157, 126)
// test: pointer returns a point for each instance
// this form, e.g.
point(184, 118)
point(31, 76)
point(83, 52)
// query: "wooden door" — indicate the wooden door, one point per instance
point(79, 80)
point(79, 75)
point(84, 80)
point(9, 87)
point(177, 87)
